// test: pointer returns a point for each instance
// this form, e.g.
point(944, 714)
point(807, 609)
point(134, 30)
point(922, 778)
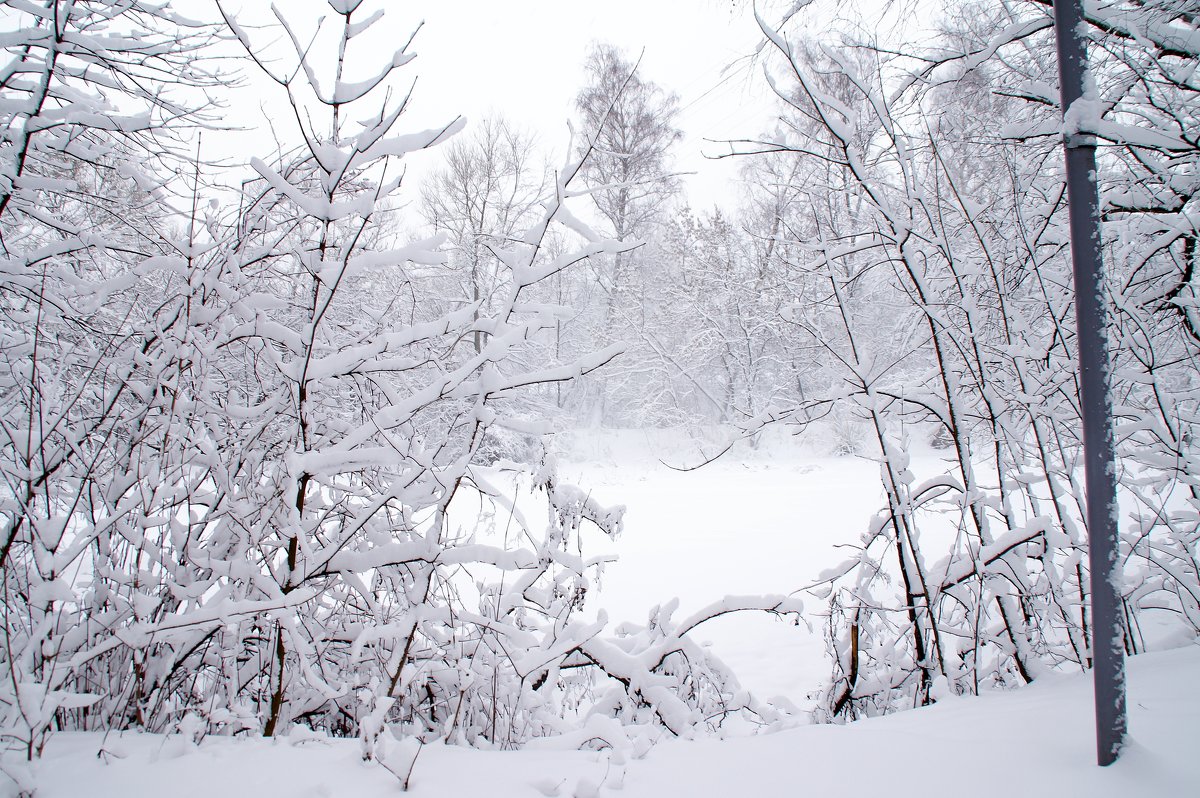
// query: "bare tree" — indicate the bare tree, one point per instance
point(93, 129)
point(484, 195)
point(945, 169)
point(629, 124)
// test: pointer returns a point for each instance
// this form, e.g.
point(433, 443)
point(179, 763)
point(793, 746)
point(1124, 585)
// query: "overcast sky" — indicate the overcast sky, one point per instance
point(524, 59)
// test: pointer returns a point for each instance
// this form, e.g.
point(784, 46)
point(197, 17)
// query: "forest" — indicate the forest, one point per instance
point(277, 448)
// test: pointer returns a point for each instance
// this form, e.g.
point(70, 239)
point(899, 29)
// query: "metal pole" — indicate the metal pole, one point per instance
point(1095, 401)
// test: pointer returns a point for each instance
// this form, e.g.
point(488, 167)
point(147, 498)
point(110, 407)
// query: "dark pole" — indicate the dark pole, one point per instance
point(1108, 626)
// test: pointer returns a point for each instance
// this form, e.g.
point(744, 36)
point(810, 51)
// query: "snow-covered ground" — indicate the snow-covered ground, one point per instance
point(762, 521)
point(1031, 742)
point(755, 521)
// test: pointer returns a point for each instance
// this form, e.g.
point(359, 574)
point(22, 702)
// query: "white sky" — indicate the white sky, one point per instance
point(524, 59)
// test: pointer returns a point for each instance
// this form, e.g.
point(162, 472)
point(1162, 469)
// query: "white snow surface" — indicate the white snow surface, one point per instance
point(761, 521)
point(1036, 741)
point(756, 521)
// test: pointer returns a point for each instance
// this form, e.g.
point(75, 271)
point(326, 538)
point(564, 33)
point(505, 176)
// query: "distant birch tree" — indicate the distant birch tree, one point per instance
point(629, 122)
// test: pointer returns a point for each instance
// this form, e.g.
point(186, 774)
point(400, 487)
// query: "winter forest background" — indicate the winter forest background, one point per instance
point(276, 428)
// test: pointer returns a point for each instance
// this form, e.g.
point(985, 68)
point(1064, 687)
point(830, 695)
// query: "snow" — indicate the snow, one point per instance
point(758, 521)
point(1032, 742)
point(178, 565)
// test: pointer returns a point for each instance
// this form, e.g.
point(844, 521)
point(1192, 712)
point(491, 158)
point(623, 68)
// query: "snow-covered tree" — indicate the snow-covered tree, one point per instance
point(251, 477)
point(94, 98)
point(629, 124)
point(482, 197)
point(946, 168)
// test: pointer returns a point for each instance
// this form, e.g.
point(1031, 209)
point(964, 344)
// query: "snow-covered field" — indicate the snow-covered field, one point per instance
point(1032, 742)
point(763, 521)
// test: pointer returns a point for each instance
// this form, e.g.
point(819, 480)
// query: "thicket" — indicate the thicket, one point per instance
point(257, 453)
point(266, 463)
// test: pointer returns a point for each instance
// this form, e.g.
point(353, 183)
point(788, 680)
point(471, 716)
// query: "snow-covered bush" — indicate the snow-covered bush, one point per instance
point(941, 197)
point(94, 97)
point(256, 458)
